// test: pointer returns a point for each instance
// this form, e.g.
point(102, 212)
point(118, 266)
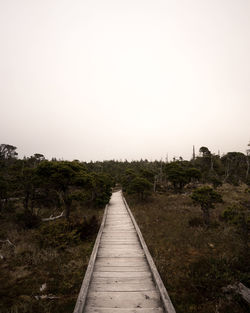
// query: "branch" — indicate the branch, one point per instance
point(8, 241)
point(50, 297)
point(52, 218)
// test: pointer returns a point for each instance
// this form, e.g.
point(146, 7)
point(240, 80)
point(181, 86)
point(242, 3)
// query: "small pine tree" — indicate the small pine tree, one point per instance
point(206, 197)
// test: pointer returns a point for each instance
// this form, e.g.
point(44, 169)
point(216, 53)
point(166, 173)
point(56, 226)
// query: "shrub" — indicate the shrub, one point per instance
point(208, 275)
point(88, 228)
point(206, 197)
point(27, 220)
point(58, 234)
point(196, 222)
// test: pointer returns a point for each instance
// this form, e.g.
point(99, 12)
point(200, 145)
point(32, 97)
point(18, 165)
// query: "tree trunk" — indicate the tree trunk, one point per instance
point(26, 200)
point(67, 211)
point(226, 172)
point(247, 171)
point(155, 180)
point(206, 216)
point(212, 164)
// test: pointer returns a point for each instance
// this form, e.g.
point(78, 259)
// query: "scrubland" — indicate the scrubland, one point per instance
point(197, 263)
point(42, 268)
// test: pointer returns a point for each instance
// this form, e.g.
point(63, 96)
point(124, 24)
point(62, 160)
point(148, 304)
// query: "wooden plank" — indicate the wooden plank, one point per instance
point(146, 299)
point(122, 274)
point(111, 247)
point(125, 286)
point(131, 262)
point(119, 310)
point(117, 232)
point(120, 241)
point(121, 268)
point(115, 235)
point(119, 254)
point(119, 248)
point(122, 280)
point(119, 229)
point(108, 236)
point(106, 244)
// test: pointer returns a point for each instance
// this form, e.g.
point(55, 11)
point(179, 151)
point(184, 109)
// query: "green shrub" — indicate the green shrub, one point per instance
point(230, 214)
point(58, 234)
point(61, 233)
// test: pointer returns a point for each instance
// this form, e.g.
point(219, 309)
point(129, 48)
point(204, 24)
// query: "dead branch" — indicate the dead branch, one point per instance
point(8, 241)
point(49, 297)
point(52, 218)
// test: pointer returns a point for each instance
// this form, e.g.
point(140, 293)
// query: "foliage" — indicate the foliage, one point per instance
point(215, 181)
point(181, 173)
point(206, 197)
point(7, 151)
point(140, 186)
point(58, 234)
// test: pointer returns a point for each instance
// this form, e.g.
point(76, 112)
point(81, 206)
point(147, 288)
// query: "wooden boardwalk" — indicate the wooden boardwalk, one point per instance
point(121, 276)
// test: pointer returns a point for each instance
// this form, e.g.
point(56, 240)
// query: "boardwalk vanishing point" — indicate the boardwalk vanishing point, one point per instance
point(121, 276)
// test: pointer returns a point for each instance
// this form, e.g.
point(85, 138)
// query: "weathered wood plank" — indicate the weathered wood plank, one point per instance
point(121, 268)
point(146, 299)
point(122, 274)
point(119, 310)
point(119, 254)
point(125, 286)
point(122, 280)
point(120, 242)
point(131, 262)
point(117, 235)
point(123, 247)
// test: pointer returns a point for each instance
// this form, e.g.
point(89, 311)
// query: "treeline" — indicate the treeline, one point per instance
point(143, 177)
point(43, 183)
point(40, 183)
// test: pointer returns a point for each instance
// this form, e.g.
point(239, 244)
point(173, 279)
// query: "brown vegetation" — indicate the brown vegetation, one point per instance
point(44, 269)
point(195, 261)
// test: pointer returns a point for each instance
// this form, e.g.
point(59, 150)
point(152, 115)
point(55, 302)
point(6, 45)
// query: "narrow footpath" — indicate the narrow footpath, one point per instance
point(122, 280)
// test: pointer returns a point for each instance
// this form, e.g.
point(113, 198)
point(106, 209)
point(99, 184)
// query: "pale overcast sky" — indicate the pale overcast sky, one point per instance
point(98, 79)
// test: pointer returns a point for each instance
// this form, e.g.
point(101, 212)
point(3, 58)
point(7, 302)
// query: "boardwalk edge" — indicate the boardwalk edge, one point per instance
point(80, 303)
point(168, 306)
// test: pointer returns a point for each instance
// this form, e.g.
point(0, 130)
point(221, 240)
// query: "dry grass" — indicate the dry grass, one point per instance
point(194, 262)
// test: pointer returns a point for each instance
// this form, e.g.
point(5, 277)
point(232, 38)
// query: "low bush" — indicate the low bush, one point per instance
point(27, 220)
point(88, 228)
point(57, 234)
point(60, 234)
point(196, 222)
